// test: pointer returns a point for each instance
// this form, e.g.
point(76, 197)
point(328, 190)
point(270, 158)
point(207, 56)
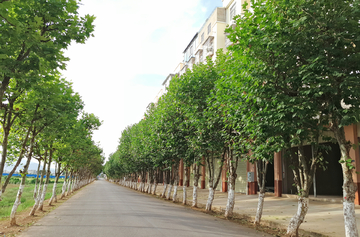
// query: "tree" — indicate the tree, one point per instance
point(33, 37)
point(50, 107)
point(192, 90)
point(307, 62)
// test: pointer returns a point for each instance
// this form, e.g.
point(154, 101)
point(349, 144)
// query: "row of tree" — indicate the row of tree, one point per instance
point(41, 116)
point(291, 73)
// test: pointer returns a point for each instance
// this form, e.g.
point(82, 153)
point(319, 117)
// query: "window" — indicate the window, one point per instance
point(191, 51)
point(202, 38)
point(209, 28)
point(232, 12)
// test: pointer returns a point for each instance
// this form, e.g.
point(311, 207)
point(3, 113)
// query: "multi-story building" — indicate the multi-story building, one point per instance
point(207, 40)
point(211, 35)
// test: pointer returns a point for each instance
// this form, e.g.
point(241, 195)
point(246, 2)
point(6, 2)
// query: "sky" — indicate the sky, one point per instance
point(136, 45)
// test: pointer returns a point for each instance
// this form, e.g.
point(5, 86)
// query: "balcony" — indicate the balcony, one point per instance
point(192, 59)
point(208, 47)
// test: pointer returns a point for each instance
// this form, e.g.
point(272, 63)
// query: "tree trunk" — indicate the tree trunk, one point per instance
point(135, 182)
point(6, 131)
point(261, 169)
point(164, 191)
point(41, 204)
point(231, 197)
point(18, 162)
point(210, 199)
point(22, 184)
point(349, 187)
point(168, 196)
point(63, 190)
point(232, 163)
point(213, 180)
point(166, 182)
point(175, 193)
point(155, 182)
point(39, 191)
point(68, 185)
point(176, 181)
point(16, 204)
point(303, 177)
point(184, 185)
point(195, 185)
point(37, 179)
point(298, 218)
point(260, 207)
point(53, 196)
point(73, 183)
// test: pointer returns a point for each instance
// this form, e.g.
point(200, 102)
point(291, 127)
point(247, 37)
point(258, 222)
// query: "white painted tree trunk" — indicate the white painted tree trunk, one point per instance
point(154, 191)
point(63, 190)
point(350, 219)
point(175, 193)
point(41, 204)
point(210, 199)
point(169, 192)
point(37, 201)
point(16, 205)
point(73, 183)
point(164, 191)
point(53, 196)
point(259, 208)
point(150, 188)
point(298, 218)
point(230, 203)
point(36, 204)
point(194, 201)
point(184, 195)
point(68, 188)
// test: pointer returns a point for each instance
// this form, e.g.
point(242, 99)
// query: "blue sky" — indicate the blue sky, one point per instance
point(136, 45)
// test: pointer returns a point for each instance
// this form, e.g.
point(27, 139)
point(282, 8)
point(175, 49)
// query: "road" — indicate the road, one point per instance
point(106, 209)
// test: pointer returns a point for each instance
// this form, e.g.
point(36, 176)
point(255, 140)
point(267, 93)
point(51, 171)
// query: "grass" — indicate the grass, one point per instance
point(27, 199)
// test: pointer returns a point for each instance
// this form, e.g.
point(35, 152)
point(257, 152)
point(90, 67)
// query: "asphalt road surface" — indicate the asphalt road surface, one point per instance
point(106, 209)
